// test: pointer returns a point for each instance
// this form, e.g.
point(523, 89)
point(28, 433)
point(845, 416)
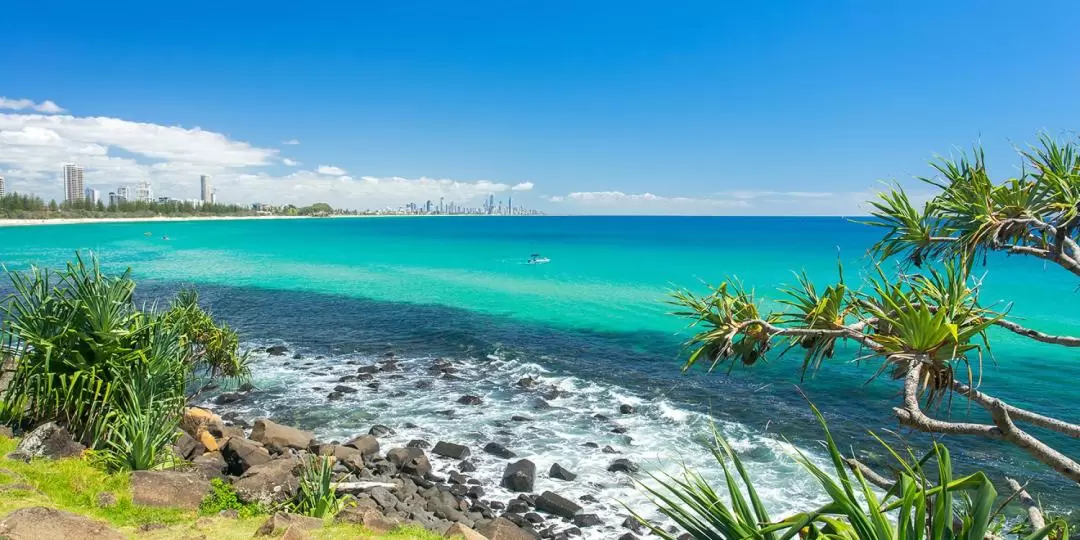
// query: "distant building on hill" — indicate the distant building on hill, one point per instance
point(207, 191)
point(92, 195)
point(73, 183)
point(144, 193)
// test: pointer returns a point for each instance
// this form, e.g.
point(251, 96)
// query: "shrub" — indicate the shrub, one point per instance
point(223, 497)
point(317, 497)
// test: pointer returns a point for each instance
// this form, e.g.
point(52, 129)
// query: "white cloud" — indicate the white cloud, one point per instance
point(291, 141)
point(524, 186)
point(330, 170)
point(47, 106)
point(34, 147)
point(725, 203)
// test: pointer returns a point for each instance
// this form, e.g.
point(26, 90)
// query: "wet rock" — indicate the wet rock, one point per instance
point(591, 445)
point(519, 476)
point(246, 387)
point(276, 437)
point(423, 385)
point(347, 378)
point(40, 523)
point(556, 504)
point(626, 409)
point(632, 524)
point(466, 466)
point(588, 499)
point(518, 418)
point(451, 450)
point(345, 389)
point(271, 483)
point(476, 492)
point(380, 430)
point(368, 445)
point(418, 443)
point(469, 400)
point(629, 536)
point(623, 465)
point(409, 460)
point(49, 440)
point(533, 517)
point(499, 450)
point(558, 472)
point(587, 520)
point(375, 385)
point(600, 418)
point(610, 450)
point(619, 429)
point(242, 454)
point(277, 350)
point(370, 370)
point(526, 382)
point(168, 489)
point(334, 396)
point(459, 490)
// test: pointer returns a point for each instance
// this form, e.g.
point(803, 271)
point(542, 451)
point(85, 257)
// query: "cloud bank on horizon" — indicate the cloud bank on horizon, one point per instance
point(38, 138)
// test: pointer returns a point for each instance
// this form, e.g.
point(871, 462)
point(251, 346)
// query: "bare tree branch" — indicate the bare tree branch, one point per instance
point(988, 402)
point(1035, 516)
point(1065, 341)
point(853, 332)
point(870, 474)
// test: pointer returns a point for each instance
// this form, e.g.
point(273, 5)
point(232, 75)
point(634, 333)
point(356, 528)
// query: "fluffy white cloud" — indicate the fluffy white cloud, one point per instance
point(46, 106)
point(291, 141)
point(524, 186)
point(723, 203)
point(330, 170)
point(34, 147)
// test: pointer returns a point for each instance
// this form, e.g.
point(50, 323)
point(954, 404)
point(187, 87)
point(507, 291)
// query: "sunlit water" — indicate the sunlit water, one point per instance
point(593, 323)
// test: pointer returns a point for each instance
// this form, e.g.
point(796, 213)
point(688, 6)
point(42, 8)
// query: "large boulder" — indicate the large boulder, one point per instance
point(348, 456)
point(558, 505)
point(368, 445)
point(410, 460)
point(276, 437)
point(210, 465)
point(37, 523)
point(187, 447)
point(504, 529)
point(169, 489)
point(370, 518)
point(272, 483)
point(519, 476)
point(49, 440)
point(197, 420)
point(558, 472)
point(458, 530)
point(450, 450)
point(242, 454)
point(623, 465)
point(280, 522)
point(497, 449)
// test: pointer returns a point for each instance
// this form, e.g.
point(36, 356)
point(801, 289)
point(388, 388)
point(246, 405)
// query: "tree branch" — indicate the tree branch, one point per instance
point(912, 415)
point(1065, 341)
point(1035, 516)
point(870, 474)
point(853, 332)
point(989, 402)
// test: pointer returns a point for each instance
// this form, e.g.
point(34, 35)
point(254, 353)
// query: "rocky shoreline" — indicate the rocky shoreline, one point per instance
point(422, 482)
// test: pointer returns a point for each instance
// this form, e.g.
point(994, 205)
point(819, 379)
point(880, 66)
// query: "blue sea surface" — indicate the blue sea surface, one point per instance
point(593, 323)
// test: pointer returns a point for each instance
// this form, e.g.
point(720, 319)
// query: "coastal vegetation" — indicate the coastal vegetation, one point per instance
point(924, 326)
point(23, 206)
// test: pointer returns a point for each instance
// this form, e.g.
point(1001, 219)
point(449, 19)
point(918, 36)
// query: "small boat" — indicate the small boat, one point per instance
point(165, 237)
point(147, 233)
point(535, 258)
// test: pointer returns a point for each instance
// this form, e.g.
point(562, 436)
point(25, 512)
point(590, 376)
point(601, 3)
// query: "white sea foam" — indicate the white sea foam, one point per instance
point(659, 436)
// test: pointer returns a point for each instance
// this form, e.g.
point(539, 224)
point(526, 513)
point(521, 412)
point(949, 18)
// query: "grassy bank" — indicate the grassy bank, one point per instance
point(77, 486)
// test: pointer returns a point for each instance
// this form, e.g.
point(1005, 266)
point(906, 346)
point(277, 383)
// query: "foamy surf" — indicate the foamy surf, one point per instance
point(562, 419)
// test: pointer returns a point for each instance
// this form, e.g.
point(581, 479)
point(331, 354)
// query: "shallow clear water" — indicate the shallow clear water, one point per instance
point(592, 322)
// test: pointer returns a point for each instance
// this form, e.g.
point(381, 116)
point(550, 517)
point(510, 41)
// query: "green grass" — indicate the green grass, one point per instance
point(75, 484)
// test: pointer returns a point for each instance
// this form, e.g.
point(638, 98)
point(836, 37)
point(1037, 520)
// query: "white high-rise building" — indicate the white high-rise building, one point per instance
point(73, 183)
point(2, 186)
point(144, 193)
point(207, 191)
point(92, 196)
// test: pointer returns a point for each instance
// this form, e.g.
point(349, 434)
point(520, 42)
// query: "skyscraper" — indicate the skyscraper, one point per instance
point(491, 203)
point(92, 196)
point(509, 206)
point(1, 186)
point(207, 192)
point(144, 193)
point(73, 183)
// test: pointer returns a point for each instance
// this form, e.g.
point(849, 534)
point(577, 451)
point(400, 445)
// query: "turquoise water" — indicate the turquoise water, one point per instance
point(595, 314)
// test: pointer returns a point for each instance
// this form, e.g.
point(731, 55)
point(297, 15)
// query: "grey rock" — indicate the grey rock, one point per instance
point(587, 520)
point(451, 450)
point(499, 450)
point(519, 476)
point(368, 445)
point(558, 472)
point(469, 400)
point(626, 409)
point(556, 504)
point(623, 465)
point(380, 431)
point(49, 440)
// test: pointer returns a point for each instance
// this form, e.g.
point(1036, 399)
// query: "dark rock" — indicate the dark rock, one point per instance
point(517, 418)
point(476, 492)
point(277, 350)
point(246, 387)
point(450, 450)
point(375, 385)
point(368, 445)
point(600, 418)
point(496, 505)
point(210, 465)
point(49, 440)
point(587, 520)
point(370, 370)
point(242, 454)
point(449, 413)
point(459, 490)
point(334, 396)
point(380, 430)
point(619, 429)
point(276, 437)
point(515, 518)
point(533, 517)
point(345, 389)
point(632, 523)
point(629, 536)
point(347, 378)
point(588, 499)
point(410, 460)
point(519, 476)
point(556, 504)
point(423, 385)
point(469, 400)
point(187, 447)
point(526, 382)
point(591, 445)
point(497, 449)
point(271, 483)
point(418, 443)
point(168, 489)
point(365, 377)
point(560, 473)
point(467, 466)
point(383, 497)
point(225, 398)
point(623, 465)
point(626, 409)
point(610, 450)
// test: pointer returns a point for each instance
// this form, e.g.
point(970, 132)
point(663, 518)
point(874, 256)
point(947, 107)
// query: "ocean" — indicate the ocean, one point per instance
point(593, 323)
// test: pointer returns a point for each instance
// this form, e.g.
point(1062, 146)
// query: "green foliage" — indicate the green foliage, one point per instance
point(223, 497)
point(317, 497)
point(115, 375)
point(922, 504)
point(731, 325)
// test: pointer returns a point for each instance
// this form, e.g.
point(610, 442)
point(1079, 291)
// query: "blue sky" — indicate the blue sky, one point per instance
point(585, 107)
